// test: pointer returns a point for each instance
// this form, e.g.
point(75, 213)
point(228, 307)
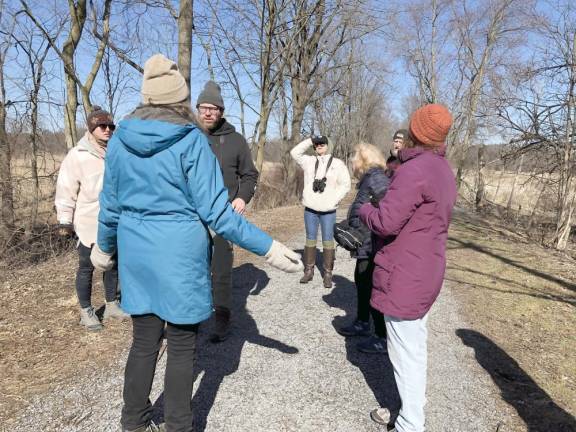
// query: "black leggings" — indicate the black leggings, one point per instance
point(363, 280)
point(84, 279)
point(178, 379)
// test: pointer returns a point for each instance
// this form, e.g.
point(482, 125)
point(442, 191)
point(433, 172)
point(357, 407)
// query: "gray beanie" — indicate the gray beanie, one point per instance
point(211, 94)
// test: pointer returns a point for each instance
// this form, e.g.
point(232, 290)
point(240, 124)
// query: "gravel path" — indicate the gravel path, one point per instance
point(286, 369)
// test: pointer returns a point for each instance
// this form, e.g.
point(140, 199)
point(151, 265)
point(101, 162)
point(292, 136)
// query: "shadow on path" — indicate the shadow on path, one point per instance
point(219, 360)
point(533, 404)
point(376, 368)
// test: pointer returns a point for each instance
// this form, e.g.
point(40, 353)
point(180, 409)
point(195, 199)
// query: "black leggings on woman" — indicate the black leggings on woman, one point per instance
point(148, 331)
point(363, 280)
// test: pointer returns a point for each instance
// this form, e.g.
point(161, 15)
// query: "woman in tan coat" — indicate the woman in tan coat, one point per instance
point(77, 190)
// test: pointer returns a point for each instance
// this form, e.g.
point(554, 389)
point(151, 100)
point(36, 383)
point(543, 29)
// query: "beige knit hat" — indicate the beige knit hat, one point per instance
point(162, 83)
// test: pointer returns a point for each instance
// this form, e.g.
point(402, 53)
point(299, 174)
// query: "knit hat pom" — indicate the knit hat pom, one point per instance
point(162, 83)
point(430, 125)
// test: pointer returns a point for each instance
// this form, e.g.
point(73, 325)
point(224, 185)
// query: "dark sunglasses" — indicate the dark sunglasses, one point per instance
point(109, 126)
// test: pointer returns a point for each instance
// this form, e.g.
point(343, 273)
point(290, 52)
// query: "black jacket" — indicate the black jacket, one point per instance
point(233, 154)
point(374, 182)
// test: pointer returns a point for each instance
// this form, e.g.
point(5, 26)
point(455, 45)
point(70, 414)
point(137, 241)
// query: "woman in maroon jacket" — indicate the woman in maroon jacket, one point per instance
point(409, 271)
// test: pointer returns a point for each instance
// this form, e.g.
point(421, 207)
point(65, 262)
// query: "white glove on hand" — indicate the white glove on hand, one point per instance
point(283, 258)
point(101, 260)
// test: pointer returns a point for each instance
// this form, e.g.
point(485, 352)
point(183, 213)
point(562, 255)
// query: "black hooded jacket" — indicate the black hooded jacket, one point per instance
point(233, 154)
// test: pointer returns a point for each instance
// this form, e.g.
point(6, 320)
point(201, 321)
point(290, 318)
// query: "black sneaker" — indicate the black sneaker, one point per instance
point(373, 345)
point(357, 328)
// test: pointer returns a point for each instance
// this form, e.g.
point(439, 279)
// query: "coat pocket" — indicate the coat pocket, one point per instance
point(383, 272)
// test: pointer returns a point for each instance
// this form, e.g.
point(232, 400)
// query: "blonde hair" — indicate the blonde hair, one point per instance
point(366, 156)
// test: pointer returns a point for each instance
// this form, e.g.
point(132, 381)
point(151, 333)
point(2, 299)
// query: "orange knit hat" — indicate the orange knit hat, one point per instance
point(430, 124)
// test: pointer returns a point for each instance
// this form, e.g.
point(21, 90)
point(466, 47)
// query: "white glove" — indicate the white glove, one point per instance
point(283, 258)
point(101, 260)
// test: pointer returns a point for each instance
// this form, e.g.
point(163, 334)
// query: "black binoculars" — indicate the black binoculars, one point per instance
point(319, 185)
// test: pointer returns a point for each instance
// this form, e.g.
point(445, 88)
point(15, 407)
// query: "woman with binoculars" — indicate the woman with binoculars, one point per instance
point(326, 182)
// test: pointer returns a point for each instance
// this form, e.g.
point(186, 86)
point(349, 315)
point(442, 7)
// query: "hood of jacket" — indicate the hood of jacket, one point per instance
point(88, 143)
point(410, 153)
point(145, 135)
point(224, 128)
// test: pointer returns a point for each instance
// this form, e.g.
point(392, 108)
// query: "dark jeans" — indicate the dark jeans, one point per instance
point(84, 279)
point(178, 379)
point(222, 262)
point(363, 280)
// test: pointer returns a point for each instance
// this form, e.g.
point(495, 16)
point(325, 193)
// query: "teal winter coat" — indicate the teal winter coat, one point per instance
point(162, 190)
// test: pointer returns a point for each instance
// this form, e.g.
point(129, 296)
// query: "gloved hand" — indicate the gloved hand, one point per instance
point(65, 230)
point(100, 259)
point(320, 139)
point(283, 258)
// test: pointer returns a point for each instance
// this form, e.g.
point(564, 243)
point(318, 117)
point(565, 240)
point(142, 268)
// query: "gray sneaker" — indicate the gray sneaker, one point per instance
point(373, 345)
point(89, 319)
point(113, 310)
point(385, 417)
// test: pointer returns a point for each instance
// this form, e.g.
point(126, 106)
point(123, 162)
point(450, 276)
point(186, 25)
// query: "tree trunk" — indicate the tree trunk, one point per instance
point(512, 189)
point(185, 28)
point(564, 226)
point(6, 189)
point(262, 127)
point(479, 199)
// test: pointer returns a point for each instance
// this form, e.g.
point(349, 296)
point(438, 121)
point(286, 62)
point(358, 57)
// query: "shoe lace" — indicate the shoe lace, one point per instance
point(91, 312)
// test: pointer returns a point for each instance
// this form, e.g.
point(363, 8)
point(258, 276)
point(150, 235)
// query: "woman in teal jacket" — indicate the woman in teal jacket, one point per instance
point(162, 190)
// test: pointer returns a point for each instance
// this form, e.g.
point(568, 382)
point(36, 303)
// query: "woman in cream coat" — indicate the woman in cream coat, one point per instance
point(326, 182)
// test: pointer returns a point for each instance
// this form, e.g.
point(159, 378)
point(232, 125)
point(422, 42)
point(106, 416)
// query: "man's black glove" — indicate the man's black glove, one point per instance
point(320, 139)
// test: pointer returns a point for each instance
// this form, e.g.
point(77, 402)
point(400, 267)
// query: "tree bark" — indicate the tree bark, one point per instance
point(564, 226)
point(185, 29)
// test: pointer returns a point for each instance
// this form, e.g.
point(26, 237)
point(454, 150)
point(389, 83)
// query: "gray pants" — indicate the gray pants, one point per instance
point(407, 349)
point(222, 262)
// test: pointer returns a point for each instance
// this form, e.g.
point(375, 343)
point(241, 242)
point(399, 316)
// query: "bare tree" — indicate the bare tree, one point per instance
point(78, 14)
point(538, 107)
point(35, 58)
point(475, 55)
point(6, 188)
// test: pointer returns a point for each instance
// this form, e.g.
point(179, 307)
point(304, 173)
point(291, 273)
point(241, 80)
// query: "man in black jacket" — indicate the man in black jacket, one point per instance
point(240, 178)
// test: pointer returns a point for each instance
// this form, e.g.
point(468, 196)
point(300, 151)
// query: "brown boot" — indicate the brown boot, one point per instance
point(309, 259)
point(329, 255)
point(221, 324)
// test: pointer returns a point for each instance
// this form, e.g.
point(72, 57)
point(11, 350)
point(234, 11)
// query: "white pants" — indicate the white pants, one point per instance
point(407, 349)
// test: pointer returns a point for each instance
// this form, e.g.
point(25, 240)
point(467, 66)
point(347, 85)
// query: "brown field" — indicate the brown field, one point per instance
point(529, 191)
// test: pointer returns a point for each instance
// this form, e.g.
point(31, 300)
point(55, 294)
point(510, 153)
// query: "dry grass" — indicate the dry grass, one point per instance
point(530, 192)
point(41, 343)
point(523, 298)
